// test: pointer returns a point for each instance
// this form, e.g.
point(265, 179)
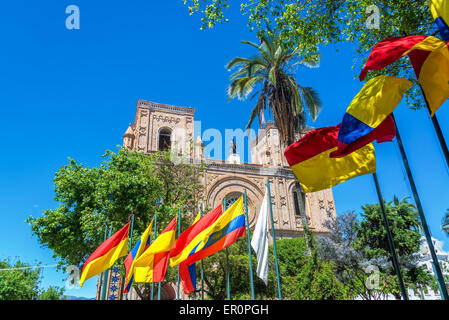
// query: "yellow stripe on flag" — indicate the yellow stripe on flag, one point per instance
point(104, 262)
point(321, 172)
point(377, 99)
point(233, 211)
point(143, 267)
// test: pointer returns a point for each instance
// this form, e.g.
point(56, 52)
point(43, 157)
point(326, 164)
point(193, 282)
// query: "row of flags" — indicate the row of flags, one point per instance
point(328, 156)
point(147, 261)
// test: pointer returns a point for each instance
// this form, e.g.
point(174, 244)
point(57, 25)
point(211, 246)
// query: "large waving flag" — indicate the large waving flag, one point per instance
point(429, 57)
point(368, 116)
point(142, 244)
point(223, 232)
point(440, 12)
point(309, 159)
point(259, 242)
point(180, 250)
point(106, 254)
point(151, 266)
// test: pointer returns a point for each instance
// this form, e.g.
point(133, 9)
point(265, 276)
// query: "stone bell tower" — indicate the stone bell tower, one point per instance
point(158, 127)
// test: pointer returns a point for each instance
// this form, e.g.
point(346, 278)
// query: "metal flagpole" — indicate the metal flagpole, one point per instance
point(437, 128)
point(228, 289)
point(179, 233)
point(202, 267)
point(438, 273)
point(130, 246)
point(102, 274)
point(274, 242)
point(106, 274)
point(390, 240)
point(249, 248)
point(302, 211)
point(154, 238)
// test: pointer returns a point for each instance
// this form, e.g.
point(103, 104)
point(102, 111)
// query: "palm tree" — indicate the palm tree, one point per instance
point(271, 70)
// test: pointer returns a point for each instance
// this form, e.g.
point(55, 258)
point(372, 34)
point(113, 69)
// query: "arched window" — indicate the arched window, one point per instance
point(164, 139)
point(231, 198)
point(297, 205)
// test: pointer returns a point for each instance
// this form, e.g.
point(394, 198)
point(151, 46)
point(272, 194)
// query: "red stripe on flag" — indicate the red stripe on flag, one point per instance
point(312, 144)
point(108, 245)
point(227, 240)
point(187, 236)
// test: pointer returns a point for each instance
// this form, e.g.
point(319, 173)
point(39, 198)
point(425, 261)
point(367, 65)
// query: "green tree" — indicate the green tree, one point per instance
point(371, 239)
point(312, 23)
point(52, 293)
point(302, 277)
point(18, 281)
point(271, 72)
point(126, 183)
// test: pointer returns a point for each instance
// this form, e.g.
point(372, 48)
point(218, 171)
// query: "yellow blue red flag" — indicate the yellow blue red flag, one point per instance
point(440, 12)
point(223, 232)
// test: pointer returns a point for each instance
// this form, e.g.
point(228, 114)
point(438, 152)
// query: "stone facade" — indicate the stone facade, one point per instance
point(229, 179)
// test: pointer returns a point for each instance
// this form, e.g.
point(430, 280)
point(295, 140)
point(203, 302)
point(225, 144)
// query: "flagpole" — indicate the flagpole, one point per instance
point(274, 241)
point(154, 238)
point(438, 273)
point(437, 128)
point(390, 239)
point(179, 232)
point(228, 289)
point(202, 267)
point(302, 211)
point(249, 248)
point(105, 274)
point(102, 274)
point(130, 248)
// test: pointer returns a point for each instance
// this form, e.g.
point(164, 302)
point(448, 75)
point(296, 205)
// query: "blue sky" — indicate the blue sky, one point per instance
point(72, 93)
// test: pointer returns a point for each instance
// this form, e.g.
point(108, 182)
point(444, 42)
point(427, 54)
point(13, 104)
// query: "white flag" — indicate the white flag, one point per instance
point(260, 240)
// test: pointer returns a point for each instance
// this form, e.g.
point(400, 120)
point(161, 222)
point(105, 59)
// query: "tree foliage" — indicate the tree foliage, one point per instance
point(21, 281)
point(360, 252)
point(311, 23)
point(125, 183)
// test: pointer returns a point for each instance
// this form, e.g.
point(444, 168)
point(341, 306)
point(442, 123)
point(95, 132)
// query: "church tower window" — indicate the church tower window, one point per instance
point(164, 139)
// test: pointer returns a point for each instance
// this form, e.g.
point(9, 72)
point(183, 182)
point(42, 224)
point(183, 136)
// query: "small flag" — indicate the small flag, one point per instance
point(259, 242)
point(309, 159)
point(366, 118)
point(106, 254)
point(142, 244)
point(440, 12)
point(183, 245)
point(151, 266)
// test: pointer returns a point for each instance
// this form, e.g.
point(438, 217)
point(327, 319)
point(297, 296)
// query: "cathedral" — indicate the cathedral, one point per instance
point(154, 128)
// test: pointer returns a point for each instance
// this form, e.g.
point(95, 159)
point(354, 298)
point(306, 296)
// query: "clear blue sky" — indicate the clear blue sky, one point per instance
point(72, 93)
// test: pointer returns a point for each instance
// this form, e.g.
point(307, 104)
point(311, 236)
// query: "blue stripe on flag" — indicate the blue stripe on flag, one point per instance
point(352, 129)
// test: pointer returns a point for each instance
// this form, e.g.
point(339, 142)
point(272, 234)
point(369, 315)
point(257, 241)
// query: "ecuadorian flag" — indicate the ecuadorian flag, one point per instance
point(310, 162)
point(223, 232)
point(366, 118)
point(106, 254)
point(142, 244)
point(440, 12)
